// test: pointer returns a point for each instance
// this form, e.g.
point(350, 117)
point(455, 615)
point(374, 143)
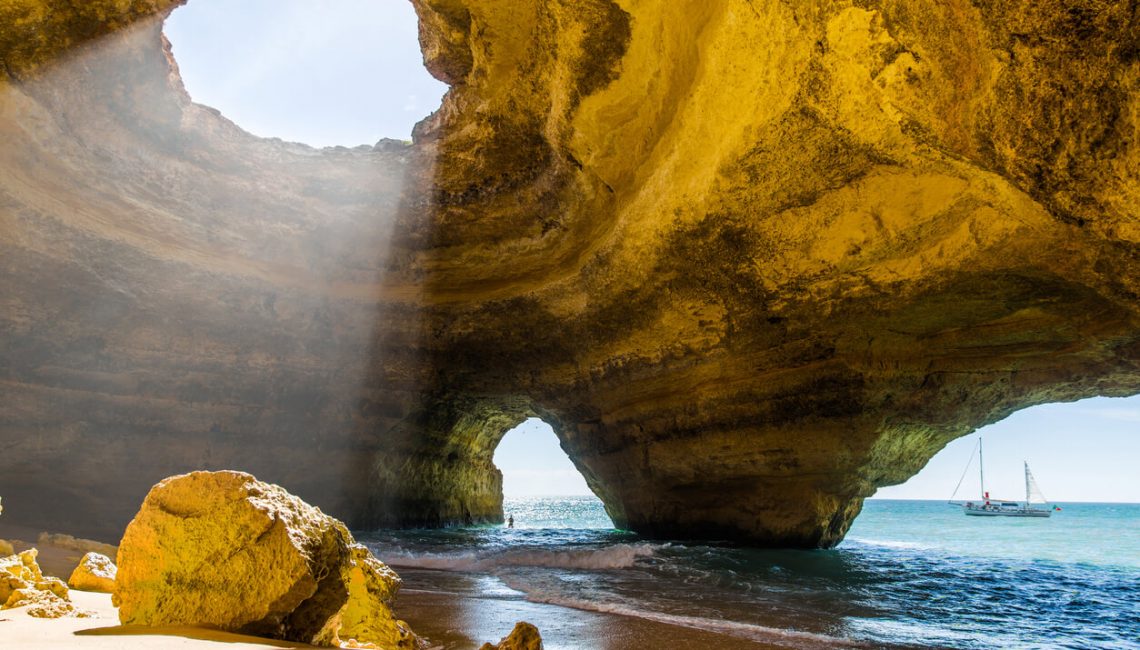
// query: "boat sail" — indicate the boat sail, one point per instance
point(988, 507)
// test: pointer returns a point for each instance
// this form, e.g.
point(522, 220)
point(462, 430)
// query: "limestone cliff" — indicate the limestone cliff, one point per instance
point(750, 259)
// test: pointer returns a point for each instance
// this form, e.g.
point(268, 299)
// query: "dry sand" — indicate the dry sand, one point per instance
point(103, 632)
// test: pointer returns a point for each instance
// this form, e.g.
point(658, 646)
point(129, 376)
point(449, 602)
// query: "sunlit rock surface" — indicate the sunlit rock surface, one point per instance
point(750, 259)
point(23, 584)
point(95, 572)
point(18, 572)
point(524, 636)
point(226, 551)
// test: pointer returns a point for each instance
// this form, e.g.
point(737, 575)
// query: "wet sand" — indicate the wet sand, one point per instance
point(460, 611)
point(453, 622)
point(449, 622)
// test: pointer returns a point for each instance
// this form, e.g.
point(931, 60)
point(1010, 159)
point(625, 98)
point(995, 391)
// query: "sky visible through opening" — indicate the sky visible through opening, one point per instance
point(341, 72)
point(533, 464)
point(1078, 451)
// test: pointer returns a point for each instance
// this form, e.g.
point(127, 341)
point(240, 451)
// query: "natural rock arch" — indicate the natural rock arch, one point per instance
point(751, 259)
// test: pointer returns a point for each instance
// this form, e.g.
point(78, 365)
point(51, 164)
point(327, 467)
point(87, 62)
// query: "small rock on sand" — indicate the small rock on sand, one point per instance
point(96, 572)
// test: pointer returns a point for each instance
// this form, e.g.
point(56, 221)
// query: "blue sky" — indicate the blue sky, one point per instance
point(343, 72)
point(348, 72)
point(1078, 451)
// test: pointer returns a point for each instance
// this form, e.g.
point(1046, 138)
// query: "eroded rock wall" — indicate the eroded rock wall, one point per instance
point(751, 260)
point(826, 239)
point(180, 295)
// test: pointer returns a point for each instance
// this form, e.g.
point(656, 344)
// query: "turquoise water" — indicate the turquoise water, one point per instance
point(1100, 534)
point(909, 574)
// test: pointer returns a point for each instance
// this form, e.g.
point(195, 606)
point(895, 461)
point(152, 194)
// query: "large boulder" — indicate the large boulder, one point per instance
point(96, 572)
point(224, 550)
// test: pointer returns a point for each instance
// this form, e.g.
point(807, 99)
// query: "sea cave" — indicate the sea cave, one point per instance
point(750, 260)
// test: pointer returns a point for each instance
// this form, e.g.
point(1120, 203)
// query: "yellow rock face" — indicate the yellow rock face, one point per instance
point(44, 603)
point(222, 549)
point(95, 573)
point(752, 259)
point(523, 637)
point(23, 584)
point(18, 572)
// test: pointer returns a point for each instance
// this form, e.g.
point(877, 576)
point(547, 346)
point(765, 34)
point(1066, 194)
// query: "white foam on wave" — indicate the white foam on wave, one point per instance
point(617, 556)
point(887, 543)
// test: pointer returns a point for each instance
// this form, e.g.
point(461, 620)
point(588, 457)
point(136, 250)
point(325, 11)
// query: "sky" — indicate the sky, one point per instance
point(533, 464)
point(338, 72)
point(348, 72)
point(1078, 451)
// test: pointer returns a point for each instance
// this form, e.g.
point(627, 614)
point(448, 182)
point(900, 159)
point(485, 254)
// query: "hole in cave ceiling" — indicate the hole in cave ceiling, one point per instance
point(347, 72)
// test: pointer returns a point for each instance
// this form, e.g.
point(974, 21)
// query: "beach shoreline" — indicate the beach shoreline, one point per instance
point(447, 621)
point(459, 622)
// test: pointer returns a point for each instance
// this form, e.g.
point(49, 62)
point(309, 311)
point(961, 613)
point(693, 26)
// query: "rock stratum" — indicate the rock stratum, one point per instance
point(751, 259)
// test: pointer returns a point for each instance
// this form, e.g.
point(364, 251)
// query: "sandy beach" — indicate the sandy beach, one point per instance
point(103, 632)
point(450, 623)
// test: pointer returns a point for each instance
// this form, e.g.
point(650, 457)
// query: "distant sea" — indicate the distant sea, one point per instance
point(909, 574)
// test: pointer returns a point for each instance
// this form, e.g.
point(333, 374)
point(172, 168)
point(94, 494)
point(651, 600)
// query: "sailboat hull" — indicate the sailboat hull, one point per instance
point(1000, 512)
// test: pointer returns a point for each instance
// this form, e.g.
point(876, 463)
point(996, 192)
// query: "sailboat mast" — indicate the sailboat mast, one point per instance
point(981, 469)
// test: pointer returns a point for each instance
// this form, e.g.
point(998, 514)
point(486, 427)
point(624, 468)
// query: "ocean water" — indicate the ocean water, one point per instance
point(909, 574)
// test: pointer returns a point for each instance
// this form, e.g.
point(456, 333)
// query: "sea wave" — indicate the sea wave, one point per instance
point(784, 638)
point(884, 543)
point(617, 556)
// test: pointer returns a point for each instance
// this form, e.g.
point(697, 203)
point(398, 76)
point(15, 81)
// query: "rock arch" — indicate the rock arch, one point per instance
point(752, 259)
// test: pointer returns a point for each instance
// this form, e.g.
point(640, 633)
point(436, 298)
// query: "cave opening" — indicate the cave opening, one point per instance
point(345, 73)
point(541, 486)
point(1082, 457)
point(1082, 451)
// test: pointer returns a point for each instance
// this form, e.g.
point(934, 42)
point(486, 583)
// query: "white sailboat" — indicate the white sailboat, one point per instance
point(990, 507)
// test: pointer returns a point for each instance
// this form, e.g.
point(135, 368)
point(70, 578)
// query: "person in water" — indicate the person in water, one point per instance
point(510, 521)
